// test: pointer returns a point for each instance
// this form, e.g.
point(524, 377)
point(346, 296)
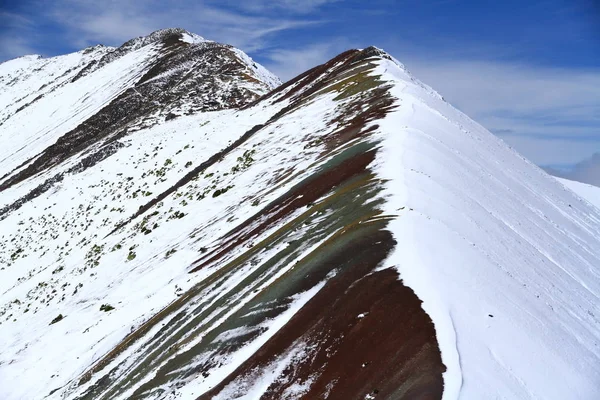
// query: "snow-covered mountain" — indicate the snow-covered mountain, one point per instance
point(174, 223)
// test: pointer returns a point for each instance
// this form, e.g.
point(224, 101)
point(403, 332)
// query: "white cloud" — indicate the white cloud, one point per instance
point(112, 22)
point(14, 46)
point(287, 63)
point(512, 88)
point(289, 6)
point(13, 20)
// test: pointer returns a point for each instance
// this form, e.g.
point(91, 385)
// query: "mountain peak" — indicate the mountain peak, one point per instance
point(166, 36)
point(171, 72)
point(376, 52)
point(373, 51)
point(174, 33)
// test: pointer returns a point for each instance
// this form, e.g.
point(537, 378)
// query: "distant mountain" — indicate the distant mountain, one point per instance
point(175, 223)
point(587, 171)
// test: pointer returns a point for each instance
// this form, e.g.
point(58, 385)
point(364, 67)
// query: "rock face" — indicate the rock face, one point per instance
point(177, 224)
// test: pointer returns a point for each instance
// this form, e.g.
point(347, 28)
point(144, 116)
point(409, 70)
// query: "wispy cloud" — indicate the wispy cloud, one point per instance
point(514, 89)
point(288, 6)
point(14, 20)
point(287, 63)
point(84, 22)
point(12, 42)
point(13, 46)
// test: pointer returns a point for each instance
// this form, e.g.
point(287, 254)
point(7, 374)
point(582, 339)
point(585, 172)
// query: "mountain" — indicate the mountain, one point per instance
point(177, 224)
point(586, 171)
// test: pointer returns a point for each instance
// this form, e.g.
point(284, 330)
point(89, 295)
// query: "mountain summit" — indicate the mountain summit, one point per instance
point(175, 223)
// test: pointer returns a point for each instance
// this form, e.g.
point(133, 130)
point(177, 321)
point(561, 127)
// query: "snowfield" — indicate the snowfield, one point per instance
point(63, 108)
point(505, 260)
point(590, 193)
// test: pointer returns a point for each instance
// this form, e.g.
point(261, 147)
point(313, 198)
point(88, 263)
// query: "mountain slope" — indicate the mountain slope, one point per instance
point(347, 235)
point(165, 74)
point(587, 192)
point(514, 273)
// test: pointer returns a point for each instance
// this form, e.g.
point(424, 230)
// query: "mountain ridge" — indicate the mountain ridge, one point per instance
point(347, 234)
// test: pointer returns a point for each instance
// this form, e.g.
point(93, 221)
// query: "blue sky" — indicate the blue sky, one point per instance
point(527, 70)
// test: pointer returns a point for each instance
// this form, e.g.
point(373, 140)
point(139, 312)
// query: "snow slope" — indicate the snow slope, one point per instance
point(43, 99)
point(243, 251)
point(62, 106)
point(506, 261)
point(587, 192)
